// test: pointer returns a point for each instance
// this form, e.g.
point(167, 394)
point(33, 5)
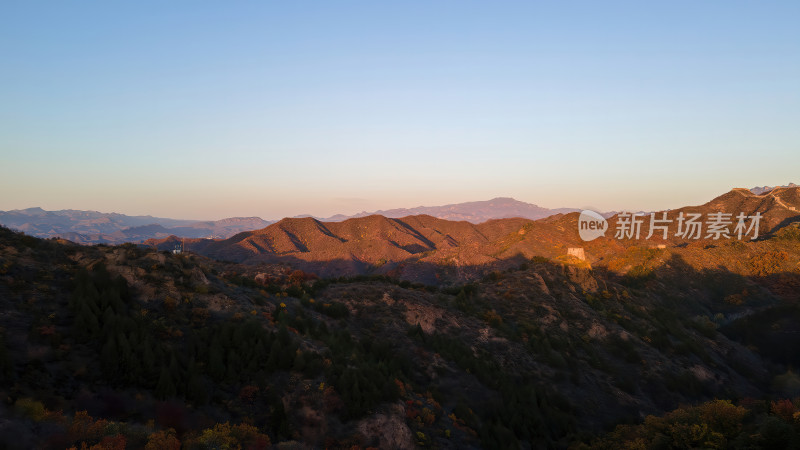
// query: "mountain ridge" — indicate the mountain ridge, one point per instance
point(765, 189)
point(400, 246)
point(93, 227)
point(473, 211)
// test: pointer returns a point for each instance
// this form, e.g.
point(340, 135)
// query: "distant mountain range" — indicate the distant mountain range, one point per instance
point(763, 189)
point(474, 212)
point(92, 227)
point(429, 249)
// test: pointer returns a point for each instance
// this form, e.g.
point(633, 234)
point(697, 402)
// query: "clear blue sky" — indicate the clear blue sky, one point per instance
point(215, 109)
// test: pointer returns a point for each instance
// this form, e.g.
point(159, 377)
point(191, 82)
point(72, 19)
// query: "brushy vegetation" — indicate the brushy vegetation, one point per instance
point(125, 347)
point(717, 424)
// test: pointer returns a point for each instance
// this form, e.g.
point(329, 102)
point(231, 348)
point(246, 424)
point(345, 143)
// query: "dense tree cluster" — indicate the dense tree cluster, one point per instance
point(364, 372)
point(717, 424)
point(193, 366)
point(522, 411)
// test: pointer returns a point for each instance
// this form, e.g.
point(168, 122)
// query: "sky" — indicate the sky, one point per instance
point(205, 110)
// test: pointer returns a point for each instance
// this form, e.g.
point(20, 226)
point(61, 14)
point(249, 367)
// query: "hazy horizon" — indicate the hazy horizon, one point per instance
point(204, 112)
point(355, 212)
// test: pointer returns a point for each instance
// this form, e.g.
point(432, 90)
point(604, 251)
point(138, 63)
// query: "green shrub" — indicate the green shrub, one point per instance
point(31, 409)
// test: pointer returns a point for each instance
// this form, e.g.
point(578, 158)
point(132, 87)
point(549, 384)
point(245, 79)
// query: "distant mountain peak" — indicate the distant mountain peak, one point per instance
point(759, 190)
point(32, 211)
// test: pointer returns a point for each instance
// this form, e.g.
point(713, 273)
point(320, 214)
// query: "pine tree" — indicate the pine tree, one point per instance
point(109, 321)
point(165, 387)
point(110, 357)
point(6, 366)
point(148, 363)
point(86, 325)
point(287, 355)
point(197, 391)
point(175, 370)
point(216, 363)
point(274, 357)
point(299, 362)
point(232, 369)
point(279, 419)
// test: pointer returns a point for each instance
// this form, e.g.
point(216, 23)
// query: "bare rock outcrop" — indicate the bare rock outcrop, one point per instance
point(389, 429)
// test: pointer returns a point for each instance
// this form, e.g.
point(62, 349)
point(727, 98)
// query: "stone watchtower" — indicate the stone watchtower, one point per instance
point(577, 252)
